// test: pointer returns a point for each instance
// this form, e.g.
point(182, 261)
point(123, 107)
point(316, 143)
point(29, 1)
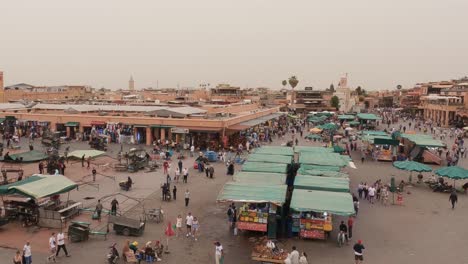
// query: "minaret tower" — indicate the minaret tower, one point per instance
point(131, 84)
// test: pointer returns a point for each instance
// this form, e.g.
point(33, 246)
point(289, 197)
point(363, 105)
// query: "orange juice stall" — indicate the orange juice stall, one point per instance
point(314, 209)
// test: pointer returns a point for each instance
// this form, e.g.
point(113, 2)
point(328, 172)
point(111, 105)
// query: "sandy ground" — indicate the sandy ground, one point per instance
point(424, 230)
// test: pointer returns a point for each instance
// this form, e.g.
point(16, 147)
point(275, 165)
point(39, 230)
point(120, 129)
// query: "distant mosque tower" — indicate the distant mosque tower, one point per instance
point(131, 84)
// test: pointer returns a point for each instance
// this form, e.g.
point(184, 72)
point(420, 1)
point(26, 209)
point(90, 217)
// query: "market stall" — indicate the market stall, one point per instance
point(321, 183)
point(380, 145)
point(264, 167)
point(259, 204)
point(275, 150)
point(421, 147)
point(267, 251)
point(314, 209)
point(267, 158)
point(38, 198)
point(260, 177)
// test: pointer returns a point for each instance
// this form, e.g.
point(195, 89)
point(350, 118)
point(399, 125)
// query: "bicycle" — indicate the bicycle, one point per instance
point(341, 239)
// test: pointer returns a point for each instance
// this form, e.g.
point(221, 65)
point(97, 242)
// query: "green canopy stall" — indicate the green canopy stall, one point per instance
point(26, 157)
point(319, 167)
point(260, 178)
point(321, 183)
point(267, 158)
point(453, 172)
point(264, 167)
point(326, 159)
point(39, 186)
point(338, 203)
point(334, 174)
point(275, 150)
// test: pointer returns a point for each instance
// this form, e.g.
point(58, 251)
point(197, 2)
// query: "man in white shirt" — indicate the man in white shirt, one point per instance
point(371, 194)
point(189, 222)
point(218, 252)
point(192, 150)
point(61, 244)
point(27, 253)
point(52, 247)
point(294, 256)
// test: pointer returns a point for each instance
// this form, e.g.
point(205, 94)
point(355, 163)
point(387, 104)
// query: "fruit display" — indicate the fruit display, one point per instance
point(253, 216)
point(260, 250)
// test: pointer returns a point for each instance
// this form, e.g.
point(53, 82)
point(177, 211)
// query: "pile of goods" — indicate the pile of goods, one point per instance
point(253, 216)
point(265, 249)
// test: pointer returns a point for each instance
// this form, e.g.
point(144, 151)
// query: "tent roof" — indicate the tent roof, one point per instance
point(87, 152)
point(346, 117)
point(319, 173)
point(324, 159)
point(337, 203)
point(423, 140)
point(260, 178)
point(321, 183)
point(374, 133)
point(305, 149)
point(264, 167)
point(368, 116)
point(253, 193)
point(319, 167)
point(40, 186)
point(270, 158)
point(275, 150)
point(29, 156)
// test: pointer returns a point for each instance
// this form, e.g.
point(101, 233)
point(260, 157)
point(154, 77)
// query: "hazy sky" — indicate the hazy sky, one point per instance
point(241, 42)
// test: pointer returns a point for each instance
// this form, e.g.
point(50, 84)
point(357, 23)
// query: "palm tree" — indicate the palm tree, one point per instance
point(284, 83)
point(293, 81)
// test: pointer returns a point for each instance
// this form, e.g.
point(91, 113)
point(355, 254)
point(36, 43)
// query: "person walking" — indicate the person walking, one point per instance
point(52, 247)
point(98, 210)
point(114, 205)
point(294, 256)
point(179, 225)
point(195, 227)
point(41, 168)
point(27, 254)
point(174, 192)
point(61, 244)
point(180, 164)
point(185, 175)
point(219, 253)
point(188, 224)
point(177, 175)
point(303, 259)
point(94, 172)
point(350, 227)
point(88, 161)
point(453, 198)
point(165, 166)
point(211, 171)
point(187, 197)
point(358, 255)
point(192, 150)
point(82, 160)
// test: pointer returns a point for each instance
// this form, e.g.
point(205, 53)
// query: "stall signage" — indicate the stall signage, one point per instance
point(317, 234)
point(178, 130)
point(252, 226)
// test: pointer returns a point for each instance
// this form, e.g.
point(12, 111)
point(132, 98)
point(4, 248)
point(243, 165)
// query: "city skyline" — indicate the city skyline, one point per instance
point(246, 44)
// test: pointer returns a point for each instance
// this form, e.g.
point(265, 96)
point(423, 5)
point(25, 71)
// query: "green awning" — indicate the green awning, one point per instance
point(46, 186)
point(423, 140)
point(275, 150)
point(453, 172)
point(324, 159)
point(161, 126)
point(368, 116)
point(386, 141)
point(337, 203)
point(72, 124)
point(264, 167)
point(7, 189)
point(321, 183)
point(319, 167)
point(252, 193)
point(322, 173)
point(354, 123)
point(2, 119)
point(87, 153)
point(346, 117)
point(29, 156)
point(328, 126)
point(269, 158)
point(305, 149)
point(260, 178)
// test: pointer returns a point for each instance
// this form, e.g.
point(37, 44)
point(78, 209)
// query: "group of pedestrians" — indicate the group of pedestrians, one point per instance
point(192, 226)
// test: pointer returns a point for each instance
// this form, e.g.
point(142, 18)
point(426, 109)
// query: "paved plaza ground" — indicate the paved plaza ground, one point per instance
point(423, 230)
